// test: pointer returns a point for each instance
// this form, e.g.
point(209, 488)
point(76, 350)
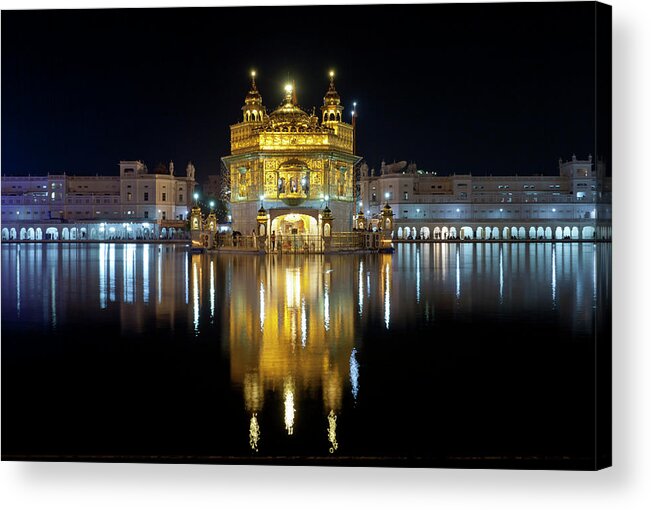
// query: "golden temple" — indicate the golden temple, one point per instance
point(288, 167)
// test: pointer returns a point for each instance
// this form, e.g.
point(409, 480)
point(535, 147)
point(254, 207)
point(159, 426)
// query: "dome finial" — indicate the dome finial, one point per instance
point(332, 77)
point(253, 87)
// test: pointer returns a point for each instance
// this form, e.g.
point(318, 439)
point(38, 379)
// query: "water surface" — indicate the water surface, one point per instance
point(442, 354)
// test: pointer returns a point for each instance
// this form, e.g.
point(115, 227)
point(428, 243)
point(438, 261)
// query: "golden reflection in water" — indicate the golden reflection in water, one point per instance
point(254, 432)
point(332, 431)
point(297, 340)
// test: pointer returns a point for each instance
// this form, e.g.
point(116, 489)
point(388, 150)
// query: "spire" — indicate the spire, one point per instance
point(332, 109)
point(253, 109)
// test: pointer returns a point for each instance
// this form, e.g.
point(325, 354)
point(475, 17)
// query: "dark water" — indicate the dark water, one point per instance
point(444, 355)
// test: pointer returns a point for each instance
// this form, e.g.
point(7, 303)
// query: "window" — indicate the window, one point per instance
point(406, 196)
point(181, 197)
point(146, 214)
point(164, 196)
point(146, 196)
point(129, 196)
point(164, 215)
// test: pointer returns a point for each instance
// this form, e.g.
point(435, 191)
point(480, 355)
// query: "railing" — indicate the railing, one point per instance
point(236, 241)
point(347, 241)
point(297, 243)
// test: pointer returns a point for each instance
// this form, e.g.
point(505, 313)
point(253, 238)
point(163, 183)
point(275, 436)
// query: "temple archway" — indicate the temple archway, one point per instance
point(294, 223)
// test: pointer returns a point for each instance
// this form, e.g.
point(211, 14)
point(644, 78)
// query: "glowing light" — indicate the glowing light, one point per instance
point(261, 306)
point(553, 210)
point(327, 197)
point(460, 210)
point(326, 307)
point(254, 433)
point(332, 431)
point(360, 204)
point(386, 195)
point(261, 198)
point(354, 373)
point(212, 289)
point(458, 276)
point(332, 74)
point(212, 204)
point(303, 324)
point(145, 273)
point(196, 196)
point(195, 295)
point(554, 275)
point(501, 276)
point(360, 288)
point(102, 275)
point(290, 411)
point(417, 276)
point(387, 297)
point(354, 104)
point(288, 88)
point(253, 74)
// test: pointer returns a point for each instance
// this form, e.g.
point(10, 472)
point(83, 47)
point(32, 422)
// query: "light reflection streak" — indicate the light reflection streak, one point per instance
point(368, 284)
point(501, 276)
point(128, 264)
point(554, 275)
point(145, 273)
point(354, 373)
point(458, 293)
point(303, 324)
point(18, 281)
point(195, 295)
point(112, 286)
point(290, 411)
point(387, 297)
point(187, 280)
point(212, 289)
point(332, 431)
point(360, 288)
point(53, 296)
point(102, 276)
point(417, 275)
point(159, 274)
point(261, 306)
point(254, 432)
point(326, 307)
point(594, 277)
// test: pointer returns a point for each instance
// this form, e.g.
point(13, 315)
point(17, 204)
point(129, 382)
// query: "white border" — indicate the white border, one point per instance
point(106, 486)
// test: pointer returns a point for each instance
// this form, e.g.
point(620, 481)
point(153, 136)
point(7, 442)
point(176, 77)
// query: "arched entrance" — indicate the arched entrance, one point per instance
point(294, 224)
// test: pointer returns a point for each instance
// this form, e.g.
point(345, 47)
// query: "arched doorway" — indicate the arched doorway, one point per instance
point(465, 233)
point(52, 233)
point(445, 233)
point(399, 232)
point(548, 233)
point(294, 224)
point(480, 233)
point(453, 232)
point(424, 232)
point(522, 234)
point(65, 234)
point(575, 233)
point(5, 234)
point(559, 233)
point(23, 233)
point(496, 233)
point(540, 233)
point(12, 233)
point(30, 233)
point(588, 232)
point(532, 233)
point(437, 233)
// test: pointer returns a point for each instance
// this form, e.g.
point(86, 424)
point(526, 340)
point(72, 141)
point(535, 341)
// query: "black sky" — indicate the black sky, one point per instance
point(485, 88)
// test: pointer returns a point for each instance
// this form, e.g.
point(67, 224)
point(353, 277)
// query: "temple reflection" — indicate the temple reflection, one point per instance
point(299, 341)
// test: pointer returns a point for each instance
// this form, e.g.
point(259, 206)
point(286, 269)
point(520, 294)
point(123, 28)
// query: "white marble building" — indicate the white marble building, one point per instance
point(135, 197)
point(428, 206)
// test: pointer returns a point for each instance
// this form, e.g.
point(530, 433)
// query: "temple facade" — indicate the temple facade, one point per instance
point(289, 169)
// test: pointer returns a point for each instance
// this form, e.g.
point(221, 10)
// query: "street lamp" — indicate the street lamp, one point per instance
point(212, 205)
point(196, 197)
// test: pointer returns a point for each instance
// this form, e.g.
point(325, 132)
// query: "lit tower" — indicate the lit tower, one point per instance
point(331, 109)
point(253, 109)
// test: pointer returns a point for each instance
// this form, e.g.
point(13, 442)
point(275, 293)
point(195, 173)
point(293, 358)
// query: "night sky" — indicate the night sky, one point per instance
point(501, 89)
